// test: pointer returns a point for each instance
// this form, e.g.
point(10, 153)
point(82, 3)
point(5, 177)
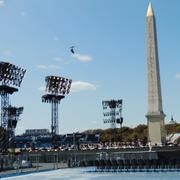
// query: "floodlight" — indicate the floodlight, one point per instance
point(56, 87)
point(112, 112)
point(13, 115)
point(11, 74)
point(14, 111)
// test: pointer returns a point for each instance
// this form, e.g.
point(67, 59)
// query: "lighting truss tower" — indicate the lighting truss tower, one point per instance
point(13, 117)
point(112, 112)
point(10, 75)
point(56, 88)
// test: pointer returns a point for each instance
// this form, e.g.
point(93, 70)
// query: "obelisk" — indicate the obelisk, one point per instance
point(155, 115)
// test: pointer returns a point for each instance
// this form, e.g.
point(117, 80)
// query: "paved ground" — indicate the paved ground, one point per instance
point(36, 168)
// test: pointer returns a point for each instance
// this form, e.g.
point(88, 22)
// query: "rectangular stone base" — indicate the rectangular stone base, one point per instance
point(156, 129)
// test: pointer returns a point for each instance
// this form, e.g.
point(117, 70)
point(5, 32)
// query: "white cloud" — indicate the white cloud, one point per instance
point(58, 59)
point(61, 60)
point(77, 86)
point(82, 57)
point(2, 2)
point(42, 66)
point(94, 122)
point(42, 88)
point(23, 14)
point(53, 67)
point(56, 38)
point(7, 52)
point(177, 75)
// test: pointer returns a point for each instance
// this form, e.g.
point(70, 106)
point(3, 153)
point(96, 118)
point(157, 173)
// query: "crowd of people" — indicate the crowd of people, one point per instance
point(88, 146)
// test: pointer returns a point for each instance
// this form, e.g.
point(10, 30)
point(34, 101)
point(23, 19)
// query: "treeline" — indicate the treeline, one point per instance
point(124, 134)
point(172, 128)
point(127, 134)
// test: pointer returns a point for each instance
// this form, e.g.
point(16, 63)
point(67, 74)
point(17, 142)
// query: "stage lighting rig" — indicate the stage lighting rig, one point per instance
point(11, 74)
point(56, 88)
point(112, 112)
point(11, 77)
point(13, 118)
point(58, 85)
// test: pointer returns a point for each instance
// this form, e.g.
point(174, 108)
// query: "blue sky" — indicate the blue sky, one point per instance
point(110, 40)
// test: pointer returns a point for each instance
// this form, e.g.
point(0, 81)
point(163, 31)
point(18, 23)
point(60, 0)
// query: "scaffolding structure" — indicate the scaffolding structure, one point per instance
point(13, 117)
point(10, 76)
point(112, 112)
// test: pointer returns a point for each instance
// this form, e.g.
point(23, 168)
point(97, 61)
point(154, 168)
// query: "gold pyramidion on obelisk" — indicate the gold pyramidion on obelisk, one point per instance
point(150, 10)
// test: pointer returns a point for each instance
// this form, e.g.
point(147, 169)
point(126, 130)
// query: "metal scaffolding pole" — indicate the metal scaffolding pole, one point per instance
point(54, 118)
point(4, 113)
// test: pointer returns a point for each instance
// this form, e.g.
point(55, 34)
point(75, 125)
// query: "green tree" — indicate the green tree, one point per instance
point(127, 134)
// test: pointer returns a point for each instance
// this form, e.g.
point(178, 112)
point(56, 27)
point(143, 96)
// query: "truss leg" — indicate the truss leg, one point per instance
point(54, 118)
point(4, 112)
